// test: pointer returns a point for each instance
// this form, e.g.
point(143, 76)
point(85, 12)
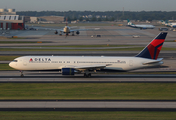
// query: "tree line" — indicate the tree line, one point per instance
point(105, 16)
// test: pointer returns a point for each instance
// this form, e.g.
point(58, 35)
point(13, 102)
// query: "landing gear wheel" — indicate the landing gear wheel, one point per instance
point(22, 75)
point(87, 75)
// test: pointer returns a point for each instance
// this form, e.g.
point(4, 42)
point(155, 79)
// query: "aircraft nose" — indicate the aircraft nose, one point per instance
point(11, 64)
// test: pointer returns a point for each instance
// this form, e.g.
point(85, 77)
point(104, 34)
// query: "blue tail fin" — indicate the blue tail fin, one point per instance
point(152, 50)
point(129, 22)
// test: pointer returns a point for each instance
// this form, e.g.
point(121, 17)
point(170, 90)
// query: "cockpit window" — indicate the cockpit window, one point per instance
point(15, 60)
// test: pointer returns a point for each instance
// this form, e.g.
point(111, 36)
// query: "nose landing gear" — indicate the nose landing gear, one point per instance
point(22, 75)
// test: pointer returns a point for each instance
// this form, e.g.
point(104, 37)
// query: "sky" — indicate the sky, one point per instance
point(89, 5)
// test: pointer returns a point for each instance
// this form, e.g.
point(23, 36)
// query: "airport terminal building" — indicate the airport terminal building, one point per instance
point(10, 21)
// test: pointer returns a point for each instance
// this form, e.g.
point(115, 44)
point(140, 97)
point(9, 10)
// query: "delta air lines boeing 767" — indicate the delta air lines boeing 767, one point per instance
point(70, 65)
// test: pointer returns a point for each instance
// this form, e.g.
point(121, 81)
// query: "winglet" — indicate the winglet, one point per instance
point(152, 50)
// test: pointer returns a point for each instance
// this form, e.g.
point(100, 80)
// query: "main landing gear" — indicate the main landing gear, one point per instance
point(87, 75)
point(60, 34)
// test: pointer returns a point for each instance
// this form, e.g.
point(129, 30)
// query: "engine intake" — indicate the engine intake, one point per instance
point(77, 32)
point(68, 71)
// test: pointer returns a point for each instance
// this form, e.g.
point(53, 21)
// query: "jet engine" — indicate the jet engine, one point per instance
point(77, 32)
point(68, 71)
point(56, 32)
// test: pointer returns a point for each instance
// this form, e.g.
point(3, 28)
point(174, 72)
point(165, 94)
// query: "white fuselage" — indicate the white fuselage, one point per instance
point(59, 62)
point(141, 26)
point(144, 26)
point(173, 25)
point(66, 29)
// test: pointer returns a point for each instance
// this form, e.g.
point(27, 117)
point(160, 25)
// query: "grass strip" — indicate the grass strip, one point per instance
point(82, 46)
point(15, 42)
point(57, 115)
point(7, 58)
point(113, 49)
point(116, 91)
point(10, 42)
point(5, 67)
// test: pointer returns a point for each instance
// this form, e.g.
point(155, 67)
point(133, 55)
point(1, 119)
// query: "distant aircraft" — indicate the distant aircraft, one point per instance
point(70, 65)
point(66, 30)
point(169, 24)
point(140, 26)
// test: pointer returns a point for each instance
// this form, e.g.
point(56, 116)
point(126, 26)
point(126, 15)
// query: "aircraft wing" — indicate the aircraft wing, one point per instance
point(72, 30)
point(88, 67)
point(61, 29)
point(45, 28)
point(88, 29)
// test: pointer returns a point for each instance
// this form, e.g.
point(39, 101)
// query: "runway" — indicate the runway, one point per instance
point(56, 77)
point(87, 105)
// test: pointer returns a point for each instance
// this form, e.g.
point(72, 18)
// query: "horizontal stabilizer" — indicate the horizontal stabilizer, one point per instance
point(153, 61)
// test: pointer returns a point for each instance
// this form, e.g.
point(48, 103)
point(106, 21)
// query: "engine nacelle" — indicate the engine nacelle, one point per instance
point(56, 32)
point(143, 28)
point(68, 71)
point(77, 32)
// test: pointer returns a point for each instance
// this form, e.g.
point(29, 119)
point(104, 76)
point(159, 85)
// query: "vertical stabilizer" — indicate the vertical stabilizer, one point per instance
point(152, 50)
point(66, 21)
point(129, 22)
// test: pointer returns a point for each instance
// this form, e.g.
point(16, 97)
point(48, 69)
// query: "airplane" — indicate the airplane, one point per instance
point(169, 24)
point(140, 26)
point(67, 30)
point(71, 65)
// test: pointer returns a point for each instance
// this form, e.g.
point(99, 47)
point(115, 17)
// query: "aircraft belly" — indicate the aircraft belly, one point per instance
point(114, 68)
